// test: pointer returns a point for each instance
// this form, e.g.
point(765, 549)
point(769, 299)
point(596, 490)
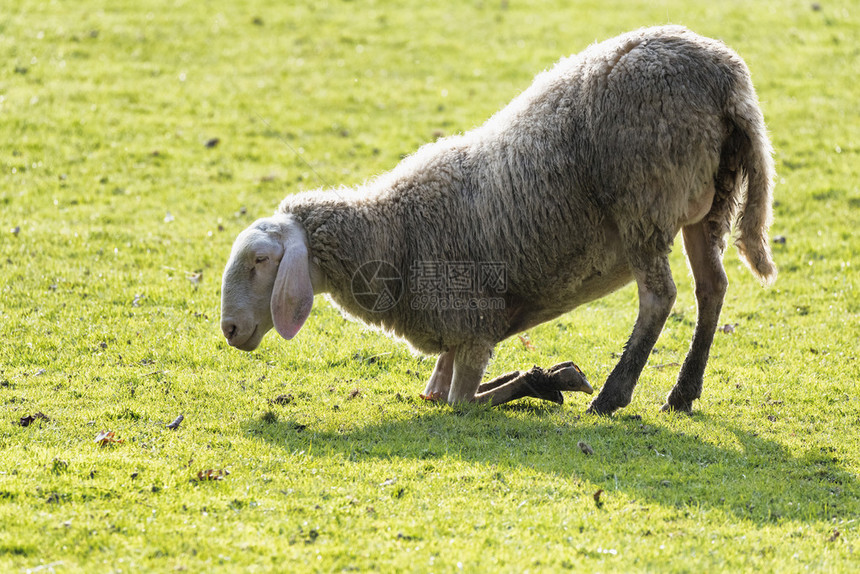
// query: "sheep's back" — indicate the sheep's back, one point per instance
point(618, 139)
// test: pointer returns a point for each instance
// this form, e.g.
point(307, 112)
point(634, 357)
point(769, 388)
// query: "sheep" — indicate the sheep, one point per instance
point(576, 188)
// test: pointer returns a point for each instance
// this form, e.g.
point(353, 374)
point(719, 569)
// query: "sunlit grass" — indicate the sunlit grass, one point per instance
point(116, 218)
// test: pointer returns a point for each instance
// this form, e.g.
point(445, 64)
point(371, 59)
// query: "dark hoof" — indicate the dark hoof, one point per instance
point(601, 408)
point(566, 377)
point(547, 384)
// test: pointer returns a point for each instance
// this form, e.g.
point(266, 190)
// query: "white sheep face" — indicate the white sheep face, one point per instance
point(246, 288)
point(266, 283)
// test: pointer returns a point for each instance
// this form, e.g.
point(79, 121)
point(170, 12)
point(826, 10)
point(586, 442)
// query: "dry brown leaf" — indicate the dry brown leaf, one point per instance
point(597, 500)
point(212, 474)
point(585, 448)
point(106, 437)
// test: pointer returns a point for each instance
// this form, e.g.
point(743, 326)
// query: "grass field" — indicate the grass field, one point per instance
point(139, 139)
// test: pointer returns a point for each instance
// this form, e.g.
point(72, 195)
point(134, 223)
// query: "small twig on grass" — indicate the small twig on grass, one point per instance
point(526, 341)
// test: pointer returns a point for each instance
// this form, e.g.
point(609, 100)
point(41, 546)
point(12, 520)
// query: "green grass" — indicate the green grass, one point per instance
point(116, 201)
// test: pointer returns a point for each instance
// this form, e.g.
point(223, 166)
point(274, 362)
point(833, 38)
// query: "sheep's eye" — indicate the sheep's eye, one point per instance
point(261, 259)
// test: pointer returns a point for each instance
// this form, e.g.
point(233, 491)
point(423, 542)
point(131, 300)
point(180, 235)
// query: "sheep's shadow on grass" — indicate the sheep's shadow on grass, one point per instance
point(751, 476)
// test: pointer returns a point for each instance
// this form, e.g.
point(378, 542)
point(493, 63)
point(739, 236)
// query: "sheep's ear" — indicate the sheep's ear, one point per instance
point(293, 294)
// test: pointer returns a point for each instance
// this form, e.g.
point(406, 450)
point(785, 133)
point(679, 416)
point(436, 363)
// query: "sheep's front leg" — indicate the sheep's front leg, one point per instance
point(656, 297)
point(470, 362)
point(439, 385)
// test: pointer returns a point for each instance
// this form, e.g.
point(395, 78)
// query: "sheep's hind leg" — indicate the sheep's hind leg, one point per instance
point(656, 297)
point(439, 385)
point(705, 252)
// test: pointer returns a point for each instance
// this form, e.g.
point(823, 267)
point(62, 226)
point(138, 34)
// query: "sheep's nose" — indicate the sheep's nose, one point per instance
point(229, 329)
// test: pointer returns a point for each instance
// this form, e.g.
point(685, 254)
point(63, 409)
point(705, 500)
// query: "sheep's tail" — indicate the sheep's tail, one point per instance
point(748, 158)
